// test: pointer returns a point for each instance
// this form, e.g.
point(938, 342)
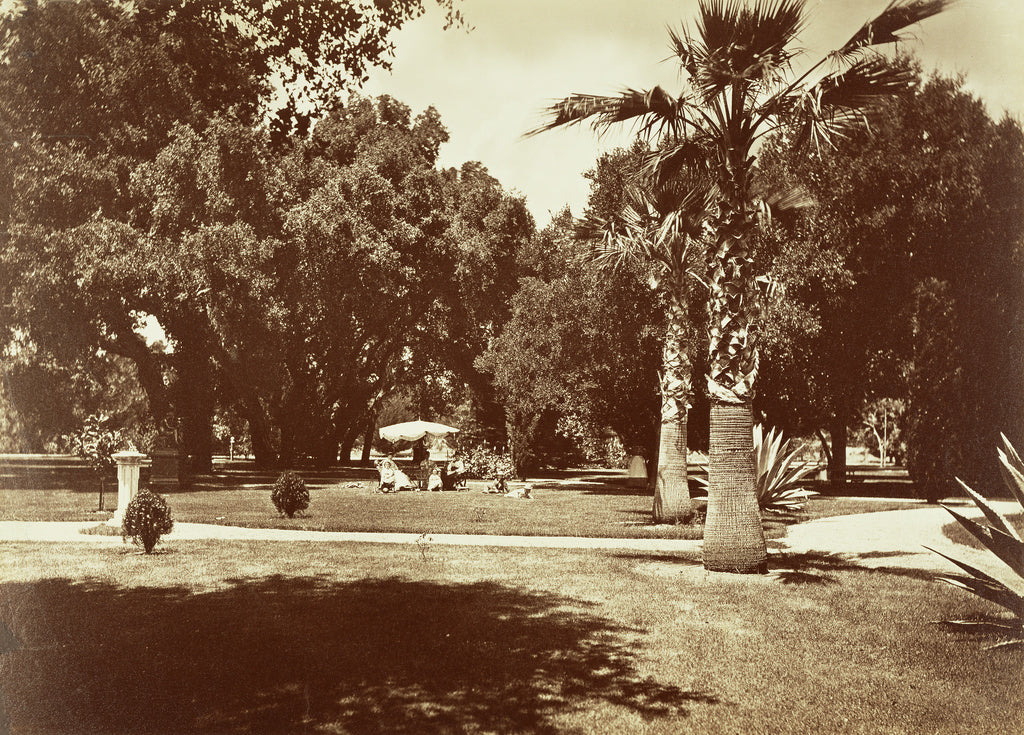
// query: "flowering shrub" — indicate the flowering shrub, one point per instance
point(483, 463)
point(290, 494)
point(146, 519)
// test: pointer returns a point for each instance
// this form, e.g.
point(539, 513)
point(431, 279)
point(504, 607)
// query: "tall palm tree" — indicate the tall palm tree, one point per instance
point(657, 229)
point(740, 85)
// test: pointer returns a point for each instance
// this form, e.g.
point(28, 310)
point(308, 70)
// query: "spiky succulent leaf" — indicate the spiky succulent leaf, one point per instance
point(1012, 468)
point(991, 514)
point(1007, 548)
point(780, 479)
point(983, 585)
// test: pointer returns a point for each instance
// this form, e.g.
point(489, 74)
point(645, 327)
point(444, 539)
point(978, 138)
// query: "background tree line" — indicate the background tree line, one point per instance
point(901, 287)
point(158, 166)
point(298, 274)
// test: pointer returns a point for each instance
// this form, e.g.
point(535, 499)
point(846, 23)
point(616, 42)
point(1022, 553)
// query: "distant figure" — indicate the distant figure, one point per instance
point(524, 493)
point(434, 482)
point(420, 452)
point(402, 481)
point(498, 487)
point(386, 467)
point(454, 475)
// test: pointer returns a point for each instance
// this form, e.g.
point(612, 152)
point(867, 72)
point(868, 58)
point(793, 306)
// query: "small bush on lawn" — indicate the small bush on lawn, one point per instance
point(290, 494)
point(146, 519)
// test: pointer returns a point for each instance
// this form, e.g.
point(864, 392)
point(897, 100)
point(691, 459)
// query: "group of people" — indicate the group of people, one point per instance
point(446, 477)
point(393, 478)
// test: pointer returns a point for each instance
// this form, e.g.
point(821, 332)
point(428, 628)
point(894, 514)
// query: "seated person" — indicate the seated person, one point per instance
point(386, 467)
point(454, 475)
point(402, 481)
point(434, 482)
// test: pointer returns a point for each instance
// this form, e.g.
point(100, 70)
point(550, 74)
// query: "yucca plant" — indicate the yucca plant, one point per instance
point(781, 480)
point(1003, 540)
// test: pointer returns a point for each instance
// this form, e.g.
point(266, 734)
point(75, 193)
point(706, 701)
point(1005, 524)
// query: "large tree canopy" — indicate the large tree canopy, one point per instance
point(905, 281)
point(297, 275)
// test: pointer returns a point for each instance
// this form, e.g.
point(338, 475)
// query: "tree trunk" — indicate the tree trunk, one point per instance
point(733, 535)
point(364, 458)
point(837, 466)
point(672, 502)
point(671, 487)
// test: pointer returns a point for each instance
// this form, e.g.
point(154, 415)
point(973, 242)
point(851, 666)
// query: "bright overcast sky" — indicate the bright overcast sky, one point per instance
point(490, 84)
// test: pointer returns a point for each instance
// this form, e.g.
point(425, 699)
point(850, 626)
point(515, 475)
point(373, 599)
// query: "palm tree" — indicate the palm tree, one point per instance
point(739, 86)
point(656, 230)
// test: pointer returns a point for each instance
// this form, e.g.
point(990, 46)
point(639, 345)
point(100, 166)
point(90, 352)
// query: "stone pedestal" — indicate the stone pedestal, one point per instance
point(636, 475)
point(128, 464)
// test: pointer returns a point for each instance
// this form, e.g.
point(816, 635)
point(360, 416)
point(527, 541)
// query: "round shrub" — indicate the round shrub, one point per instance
point(146, 519)
point(290, 494)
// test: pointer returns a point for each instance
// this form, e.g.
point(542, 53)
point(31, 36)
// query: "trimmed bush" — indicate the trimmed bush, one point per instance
point(146, 519)
point(290, 494)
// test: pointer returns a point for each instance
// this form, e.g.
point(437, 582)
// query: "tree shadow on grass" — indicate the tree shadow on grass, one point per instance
point(820, 567)
point(281, 654)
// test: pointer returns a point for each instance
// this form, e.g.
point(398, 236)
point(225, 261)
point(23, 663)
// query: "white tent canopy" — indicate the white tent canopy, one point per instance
point(411, 431)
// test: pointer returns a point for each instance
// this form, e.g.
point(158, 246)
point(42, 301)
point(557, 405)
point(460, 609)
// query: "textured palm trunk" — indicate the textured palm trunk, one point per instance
point(733, 534)
point(671, 487)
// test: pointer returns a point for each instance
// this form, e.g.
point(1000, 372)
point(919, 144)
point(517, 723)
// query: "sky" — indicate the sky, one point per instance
point(492, 82)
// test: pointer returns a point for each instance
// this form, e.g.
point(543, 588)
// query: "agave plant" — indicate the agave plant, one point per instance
point(1001, 539)
point(781, 481)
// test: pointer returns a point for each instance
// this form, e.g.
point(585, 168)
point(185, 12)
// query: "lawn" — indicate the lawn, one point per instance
point(235, 637)
point(594, 504)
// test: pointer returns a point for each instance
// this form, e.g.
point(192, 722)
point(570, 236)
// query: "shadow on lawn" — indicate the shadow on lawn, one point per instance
point(818, 567)
point(282, 653)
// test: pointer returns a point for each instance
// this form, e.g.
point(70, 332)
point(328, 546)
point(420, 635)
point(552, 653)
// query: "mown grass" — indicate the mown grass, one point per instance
point(237, 637)
point(592, 504)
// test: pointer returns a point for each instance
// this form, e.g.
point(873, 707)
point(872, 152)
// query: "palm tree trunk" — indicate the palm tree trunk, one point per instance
point(671, 487)
point(733, 535)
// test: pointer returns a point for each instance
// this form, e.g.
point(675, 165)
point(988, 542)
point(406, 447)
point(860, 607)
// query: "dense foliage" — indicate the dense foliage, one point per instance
point(581, 352)
point(905, 284)
point(295, 274)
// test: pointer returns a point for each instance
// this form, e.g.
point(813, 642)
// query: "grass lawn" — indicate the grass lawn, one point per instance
point(597, 504)
point(239, 637)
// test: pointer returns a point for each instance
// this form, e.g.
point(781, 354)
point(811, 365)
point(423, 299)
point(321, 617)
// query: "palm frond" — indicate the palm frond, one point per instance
point(885, 28)
point(840, 102)
point(683, 157)
point(656, 109)
point(742, 43)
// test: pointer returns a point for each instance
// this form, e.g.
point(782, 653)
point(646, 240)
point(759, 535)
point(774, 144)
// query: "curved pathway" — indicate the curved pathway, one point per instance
point(886, 539)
